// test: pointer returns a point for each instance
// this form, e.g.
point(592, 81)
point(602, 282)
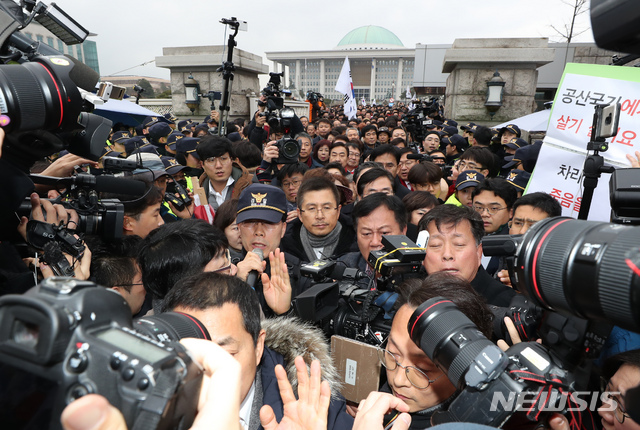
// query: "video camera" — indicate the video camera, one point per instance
point(350, 308)
point(416, 120)
point(314, 97)
point(343, 307)
point(68, 338)
point(102, 217)
point(280, 118)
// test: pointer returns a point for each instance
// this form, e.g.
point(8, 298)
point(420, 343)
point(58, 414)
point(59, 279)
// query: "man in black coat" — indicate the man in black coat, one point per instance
point(454, 246)
point(317, 232)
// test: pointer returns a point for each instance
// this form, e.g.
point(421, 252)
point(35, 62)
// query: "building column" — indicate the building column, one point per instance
point(372, 86)
point(322, 76)
point(399, 87)
point(298, 76)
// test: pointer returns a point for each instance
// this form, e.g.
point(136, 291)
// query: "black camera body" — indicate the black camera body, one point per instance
point(280, 118)
point(348, 310)
point(67, 338)
point(288, 150)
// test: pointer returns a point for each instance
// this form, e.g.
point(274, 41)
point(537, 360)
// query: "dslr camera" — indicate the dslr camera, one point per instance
point(493, 383)
point(280, 118)
point(66, 338)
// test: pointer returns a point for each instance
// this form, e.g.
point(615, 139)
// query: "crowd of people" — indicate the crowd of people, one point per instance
point(229, 251)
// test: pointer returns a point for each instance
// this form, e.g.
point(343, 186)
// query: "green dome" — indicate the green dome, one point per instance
point(369, 37)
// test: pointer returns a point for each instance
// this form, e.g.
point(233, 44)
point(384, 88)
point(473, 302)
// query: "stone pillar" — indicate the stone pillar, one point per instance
point(322, 76)
point(202, 62)
point(298, 75)
point(373, 81)
point(472, 62)
point(399, 89)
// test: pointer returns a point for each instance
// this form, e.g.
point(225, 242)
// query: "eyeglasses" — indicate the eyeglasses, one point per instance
point(227, 267)
point(619, 412)
point(491, 209)
point(313, 210)
point(223, 160)
point(416, 377)
point(519, 223)
point(469, 166)
point(129, 285)
point(432, 139)
point(291, 184)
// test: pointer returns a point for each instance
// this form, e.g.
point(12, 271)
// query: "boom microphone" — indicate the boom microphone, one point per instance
point(102, 184)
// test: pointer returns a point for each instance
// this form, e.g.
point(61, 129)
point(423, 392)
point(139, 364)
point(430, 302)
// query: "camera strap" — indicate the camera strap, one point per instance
point(553, 388)
point(153, 407)
point(386, 301)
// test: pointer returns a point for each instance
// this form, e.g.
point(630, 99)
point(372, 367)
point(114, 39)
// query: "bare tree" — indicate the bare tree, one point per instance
point(568, 32)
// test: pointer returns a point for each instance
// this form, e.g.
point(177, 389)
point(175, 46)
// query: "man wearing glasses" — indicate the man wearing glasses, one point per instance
point(528, 210)
point(317, 230)
point(493, 200)
point(411, 375)
point(217, 158)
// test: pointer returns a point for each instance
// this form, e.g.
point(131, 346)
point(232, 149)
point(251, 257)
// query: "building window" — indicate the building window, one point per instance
point(50, 41)
point(60, 46)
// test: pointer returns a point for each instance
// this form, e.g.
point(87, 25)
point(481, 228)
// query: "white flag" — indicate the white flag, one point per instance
point(345, 86)
point(408, 94)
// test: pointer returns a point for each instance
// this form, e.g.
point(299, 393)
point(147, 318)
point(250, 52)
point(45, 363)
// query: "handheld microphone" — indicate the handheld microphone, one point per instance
point(252, 277)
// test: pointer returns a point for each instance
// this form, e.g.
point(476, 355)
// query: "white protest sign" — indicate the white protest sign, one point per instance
point(561, 160)
point(559, 173)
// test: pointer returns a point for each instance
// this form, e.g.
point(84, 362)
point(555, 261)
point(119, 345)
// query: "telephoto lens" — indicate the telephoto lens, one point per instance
point(589, 269)
point(450, 339)
point(171, 326)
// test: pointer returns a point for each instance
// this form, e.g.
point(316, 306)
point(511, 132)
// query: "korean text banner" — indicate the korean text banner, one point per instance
point(561, 160)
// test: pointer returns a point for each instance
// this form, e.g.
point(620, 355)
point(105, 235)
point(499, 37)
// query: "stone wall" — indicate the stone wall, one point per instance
point(472, 62)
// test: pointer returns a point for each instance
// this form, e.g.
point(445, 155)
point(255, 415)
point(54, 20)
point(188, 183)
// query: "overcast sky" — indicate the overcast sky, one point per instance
point(132, 32)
